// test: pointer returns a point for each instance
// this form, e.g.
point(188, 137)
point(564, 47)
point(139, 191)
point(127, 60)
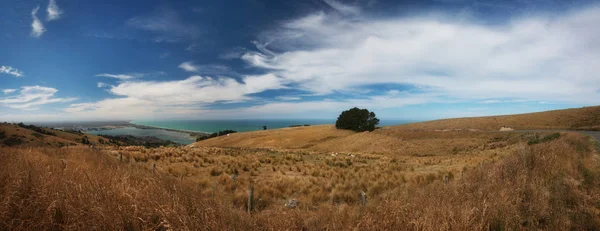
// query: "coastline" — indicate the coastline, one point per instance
point(106, 127)
point(191, 133)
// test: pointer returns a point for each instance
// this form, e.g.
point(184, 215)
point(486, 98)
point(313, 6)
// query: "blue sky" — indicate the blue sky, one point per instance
point(66, 60)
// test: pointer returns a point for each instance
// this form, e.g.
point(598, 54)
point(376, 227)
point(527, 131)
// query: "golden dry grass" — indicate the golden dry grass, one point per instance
point(496, 180)
point(586, 118)
point(553, 185)
point(387, 141)
point(33, 138)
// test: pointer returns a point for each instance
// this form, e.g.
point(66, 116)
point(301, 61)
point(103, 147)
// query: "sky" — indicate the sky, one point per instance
point(80, 60)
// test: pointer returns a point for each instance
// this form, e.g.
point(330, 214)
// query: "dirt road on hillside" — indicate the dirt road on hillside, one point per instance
point(595, 134)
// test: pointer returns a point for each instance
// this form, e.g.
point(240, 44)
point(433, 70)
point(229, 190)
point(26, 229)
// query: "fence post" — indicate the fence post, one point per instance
point(331, 204)
point(363, 201)
point(120, 157)
point(251, 198)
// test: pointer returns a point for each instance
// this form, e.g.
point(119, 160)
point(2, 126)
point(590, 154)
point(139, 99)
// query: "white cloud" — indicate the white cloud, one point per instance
point(121, 76)
point(8, 91)
point(234, 53)
point(137, 99)
point(188, 66)
point(529, 58)
point(11, 71)
point(54, 12)
point(102, 85)
point(209, 69)
point(166, 24)
point(289, 98)
point(37, 27)
point(342, 8)
point(31, 96)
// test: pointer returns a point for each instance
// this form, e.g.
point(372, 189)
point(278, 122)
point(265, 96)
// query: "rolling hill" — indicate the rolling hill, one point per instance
point(426, 137)
point(13, 134)
point(586, 118)
point(456, 174)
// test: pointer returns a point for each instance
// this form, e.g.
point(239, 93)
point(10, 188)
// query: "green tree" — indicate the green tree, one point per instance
point(358, 120)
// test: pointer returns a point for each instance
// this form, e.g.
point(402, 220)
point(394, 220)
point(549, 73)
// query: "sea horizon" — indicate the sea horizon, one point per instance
point(180, 131)
point(243, 125)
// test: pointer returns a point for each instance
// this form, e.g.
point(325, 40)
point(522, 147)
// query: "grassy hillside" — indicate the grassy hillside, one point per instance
point(427, 138)
point(587, 118)
point(325, 138)
point(14, 135)
point(552, 185)
point(443, 174)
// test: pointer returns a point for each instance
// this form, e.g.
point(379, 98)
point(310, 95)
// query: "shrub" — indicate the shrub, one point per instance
point(2, 135)
point(358, 120)
point(37, 129)
point(547, 138)
point(38, 135)
point(215, 172)
point(220, 133)
point(13, 141)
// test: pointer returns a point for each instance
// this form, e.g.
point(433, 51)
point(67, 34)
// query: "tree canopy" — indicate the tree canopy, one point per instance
point(358, 120)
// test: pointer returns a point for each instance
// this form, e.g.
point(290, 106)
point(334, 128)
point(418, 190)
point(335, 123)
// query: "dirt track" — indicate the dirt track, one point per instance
point(595, 134)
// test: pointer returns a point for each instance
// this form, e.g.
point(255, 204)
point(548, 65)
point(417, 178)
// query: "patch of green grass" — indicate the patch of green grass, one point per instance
point(13, 141)
point(38, 135)
point(591, 177)
point(547, 138)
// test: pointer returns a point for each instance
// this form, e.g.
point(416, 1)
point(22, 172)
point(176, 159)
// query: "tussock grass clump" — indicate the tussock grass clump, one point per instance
point(547, 138)
point(550, 186)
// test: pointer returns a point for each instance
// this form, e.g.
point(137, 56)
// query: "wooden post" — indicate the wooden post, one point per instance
point(446, 179)
point(251, 199)
point(121, 157)
point(331, 204)
point(363, 198)
point(363, 201)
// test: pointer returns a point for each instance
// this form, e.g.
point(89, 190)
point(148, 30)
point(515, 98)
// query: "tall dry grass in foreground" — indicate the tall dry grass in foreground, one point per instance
point(553, 186)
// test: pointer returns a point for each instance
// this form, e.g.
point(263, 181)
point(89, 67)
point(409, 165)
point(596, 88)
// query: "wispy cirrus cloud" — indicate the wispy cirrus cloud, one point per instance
point(206, 69)
point(37, 27)
point(343, 8)
point(166, 25)
point(11, 71)
point(30, 97)
point(54, 12)
point(234, 53)
point(8, 91)
point(532, 57)
point(121, 76)
point(136, 99)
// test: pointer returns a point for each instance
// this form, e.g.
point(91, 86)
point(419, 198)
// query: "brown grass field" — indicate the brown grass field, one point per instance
point(496, 181)
point(586, 118)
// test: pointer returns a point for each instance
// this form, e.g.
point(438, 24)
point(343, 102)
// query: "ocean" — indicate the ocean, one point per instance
point(210, 126)
point(178, 137)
